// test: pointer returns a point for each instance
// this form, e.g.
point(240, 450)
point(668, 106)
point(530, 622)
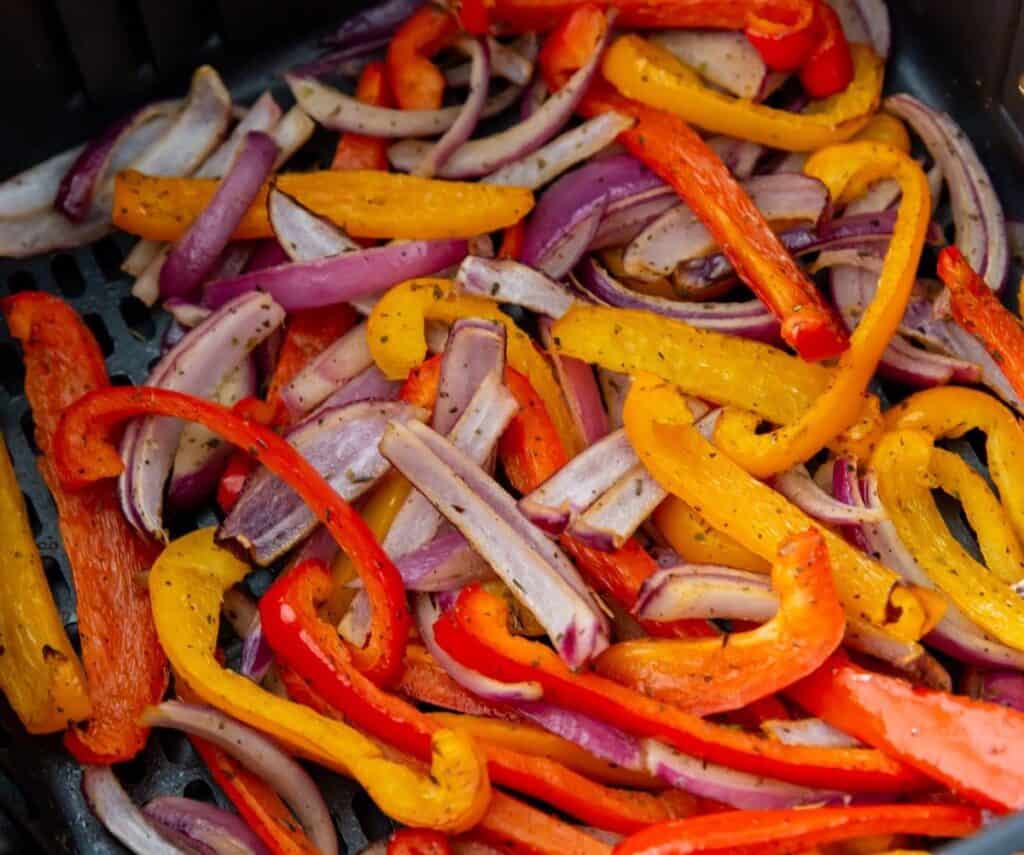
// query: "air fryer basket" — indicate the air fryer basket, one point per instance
point(70, 66)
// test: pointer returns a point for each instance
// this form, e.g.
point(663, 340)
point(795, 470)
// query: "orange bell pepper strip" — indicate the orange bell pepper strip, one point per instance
point(475, 634)
point(515, 828)
point(980, 311)
point(718, 675)
point(689, 534)
point(425, 681)
point(772, 832)
point(84, 454)
point(356, 151)
point(125, 668)
point(973, 747)
point(311, 647)
point(416, 82)
point(512, 242)
point(418, 841)
point(365, 203)
point(256, 801)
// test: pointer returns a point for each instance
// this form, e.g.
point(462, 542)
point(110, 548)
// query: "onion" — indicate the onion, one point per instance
point(591, 734)
point(740, 156)
point(578, 484)
point(263, 115)
point(615, 517)
point(724, 58)
point(196, 252)
point(475, 351)
point(997, 687)
point(977, 213)
point(483, 156)
point(515, 283)
point(302, 234)
point(462, 128)
point(33, 191)
point(614, 388)
point(342, 278)
point(328, 372)
point(197, 365)
point(579, 387)
point(625, 218)
point(533, 568)
point(686, 591)
point(291, 134)
point(565, 151)
point(809, 731)
point(267, 253)
point(378, 21)
point(369, 385)
point(261, 756)
point(269, 518)
point(202, 825)
point(120, 816)
point(798, 486)
point(187, 314)
point(446, 563)
point(865, 21)
point(257, 657)
point(506, 61)
point(534, 95)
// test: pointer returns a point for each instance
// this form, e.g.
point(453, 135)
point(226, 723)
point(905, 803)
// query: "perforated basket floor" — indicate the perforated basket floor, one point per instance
point(41, 806)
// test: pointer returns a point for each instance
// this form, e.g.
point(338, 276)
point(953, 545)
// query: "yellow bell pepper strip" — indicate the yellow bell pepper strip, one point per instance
point(843, 168)
point(902, 464)
point(647, 72)
point(39, 670)
point(364, 203)
point(732, 501)
point(885, 128)
point(712, 675)
point(398, 343)
point(948, 412)
point(689, 534)
point(186, 586)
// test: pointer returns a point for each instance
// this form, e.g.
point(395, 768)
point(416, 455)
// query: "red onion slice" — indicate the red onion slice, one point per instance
point(483, 511)
point(198, 824)
point(445, 564)
point(261, 756)
point(342, 278)
point(369, 385)
point(291, 134)
point(257, 657)
point(328, 372)
point(269, 518)
point(506, 61)
point(866, 21)
point(740, 156)
point(33, 190)
point(378, 21)
point(263, 115)
point(997, 687)
point(197, 365)
point(809, 731)
point(614, 389)
point(475, 350)
point(798, 486)
point(485, 155)
point(724, 58)
point(591, 734)
point(578, 484)
point(689, 591)
point(196, 252)
point(120, 816)
point(515, 283)
point(302, 234)
point(615, 517)
point(562, 153)
point(579, 387)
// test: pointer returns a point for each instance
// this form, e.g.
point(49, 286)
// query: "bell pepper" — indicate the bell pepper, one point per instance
point(311, 647)
point(418, 841)
point(767, 832)
point(517, 829)
point(829, 67)
point(644, 71)
point(355, 151)
point(980, 311)
point(718, 675)
point(671, 149)
point(366, 204)
point(398, 343)
point(83, 454)
point(240, 465)
point(425, 681)
point(256, 802)
point(39, 670)
point(125, 669)
point(474, 633)
point(760, 519)
point(949, 412)
point(474, 16)
point(416, 82)
point(186, 585)
point(903, 466)
point(689, 534)
point(843, 169)
point(887, 129)
point(973, 747)
point(512, 242)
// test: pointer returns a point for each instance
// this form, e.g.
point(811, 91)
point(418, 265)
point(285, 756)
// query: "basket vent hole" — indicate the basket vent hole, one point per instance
point(108, 257)
point(200, 790)
point(28, 430)
point(99, 329)
point(138, 318)
point(67, 275)
point(174, 746)
point(33, 516)
point(21, 280)
point(12, 374)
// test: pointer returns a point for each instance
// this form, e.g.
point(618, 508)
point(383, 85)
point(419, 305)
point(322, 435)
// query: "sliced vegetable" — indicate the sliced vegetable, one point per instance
point(416, 82)
point(197, 823)
point(120, 816)
point(356, 151)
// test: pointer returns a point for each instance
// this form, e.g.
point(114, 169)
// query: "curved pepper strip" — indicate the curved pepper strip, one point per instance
point(768, 832)
point(949, 412)
point(425, 681)
point(829, 67)
point(39, 670)
point(845, 170)
point(398, 344)
point(516, 828)
point(311, 647)
point(356, 151)
point(689, 534)
point(475, 634)
point(125, 668)
point(186, 586)
point(645, 71)
point(416, 82)
point(886, 129)
point(83, 453)
point(973, 747)
point(760, 519)
point(902, 465)
point(719, 675)
point(418, 841)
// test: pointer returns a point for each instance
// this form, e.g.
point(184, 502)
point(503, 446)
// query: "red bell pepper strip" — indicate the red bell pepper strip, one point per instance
point(418, 841)
point(83, 454)
point(711, 675)
point(515, 828)
point(975, 748)
point(125, 667)
point(512, 242)
point(311, 647)
point(240, 465)
point(979, 311)
point(474, 16)
point(767, 832)
point(256, 801)
point(784, 34)
point(475, 634)
point(571, 44)
point(425, 681)
point(829, 67)
point(416, 82)
point(356, 151)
